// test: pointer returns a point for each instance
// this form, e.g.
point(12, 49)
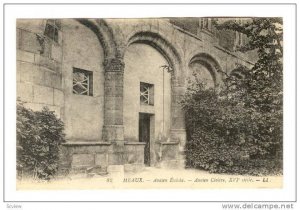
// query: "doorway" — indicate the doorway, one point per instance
point(145, 135)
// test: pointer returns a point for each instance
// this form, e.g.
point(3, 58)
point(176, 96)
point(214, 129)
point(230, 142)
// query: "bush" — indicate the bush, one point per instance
point(39, 136)
point(225, 136)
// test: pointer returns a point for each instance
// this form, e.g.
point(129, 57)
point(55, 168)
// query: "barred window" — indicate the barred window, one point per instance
point(82, 82)
point(146, 93)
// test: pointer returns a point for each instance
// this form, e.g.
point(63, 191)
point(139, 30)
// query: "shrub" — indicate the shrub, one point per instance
point(225, 136)
point(39, 136)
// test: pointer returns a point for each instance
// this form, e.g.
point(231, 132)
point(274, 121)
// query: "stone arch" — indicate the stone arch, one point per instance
point(210, 63)
point(174, 56)
point(104, 35)
point(163, 46)
point(240, 71)
point(113, 84)
point(238, 74)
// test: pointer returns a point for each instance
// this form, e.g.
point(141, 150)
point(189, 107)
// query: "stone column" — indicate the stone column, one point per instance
point(178, 131)
point(113, 129)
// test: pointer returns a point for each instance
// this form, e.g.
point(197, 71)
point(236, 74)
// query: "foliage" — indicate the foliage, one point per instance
point(39, 136)
point(225, 136)
point(238, 129)
point(262, 85)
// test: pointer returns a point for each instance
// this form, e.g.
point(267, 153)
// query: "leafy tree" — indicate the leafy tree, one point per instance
point(239, 129)
point(39, 136)
point(261, 89)
point(262, 86)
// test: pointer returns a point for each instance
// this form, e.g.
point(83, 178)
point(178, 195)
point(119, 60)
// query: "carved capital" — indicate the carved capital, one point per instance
point(114, 65)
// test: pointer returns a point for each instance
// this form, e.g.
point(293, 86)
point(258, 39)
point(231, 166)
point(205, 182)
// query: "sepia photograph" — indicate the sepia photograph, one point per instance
point(179, 102)
point(184, 105)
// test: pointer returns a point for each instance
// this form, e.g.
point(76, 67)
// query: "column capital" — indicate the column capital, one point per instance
point(114, 65)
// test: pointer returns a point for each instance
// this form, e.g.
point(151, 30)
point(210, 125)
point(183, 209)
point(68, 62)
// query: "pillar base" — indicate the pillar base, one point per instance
point(180, 136)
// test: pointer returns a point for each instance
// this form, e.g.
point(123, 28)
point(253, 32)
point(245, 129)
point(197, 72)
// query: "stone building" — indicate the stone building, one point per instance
point(117, 83)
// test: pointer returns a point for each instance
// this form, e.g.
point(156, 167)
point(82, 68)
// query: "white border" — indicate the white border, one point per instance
point(136, 11)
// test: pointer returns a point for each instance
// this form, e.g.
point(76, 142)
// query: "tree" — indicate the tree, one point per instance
point(262, 86)
point(239, 129)
point(261, 89)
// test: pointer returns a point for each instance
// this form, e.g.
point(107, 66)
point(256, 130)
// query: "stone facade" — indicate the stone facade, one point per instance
point(117, 55)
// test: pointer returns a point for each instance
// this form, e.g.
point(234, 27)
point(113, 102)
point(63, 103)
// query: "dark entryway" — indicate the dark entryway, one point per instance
point(144, 135)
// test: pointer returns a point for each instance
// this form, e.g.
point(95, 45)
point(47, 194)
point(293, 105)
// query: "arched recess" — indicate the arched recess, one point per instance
point(113, 84)
point(174, 60)
point(210, 64)
point(161, 45)
point(240, 72)
point(104, 34)
point(83, 57)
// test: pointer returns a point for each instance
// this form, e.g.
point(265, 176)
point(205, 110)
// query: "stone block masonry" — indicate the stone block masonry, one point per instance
point(103, 127)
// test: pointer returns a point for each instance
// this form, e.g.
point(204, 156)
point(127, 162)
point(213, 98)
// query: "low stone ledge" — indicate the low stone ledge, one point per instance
point(171, 164)
point(168, 142)
point(136, 167)
point(134, 143)
point(86, 143)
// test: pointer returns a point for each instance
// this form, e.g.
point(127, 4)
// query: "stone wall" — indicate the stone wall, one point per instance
point(83, 115)
point(39, 76)
point(102, 129)
point(179, 48)
point(78, 156)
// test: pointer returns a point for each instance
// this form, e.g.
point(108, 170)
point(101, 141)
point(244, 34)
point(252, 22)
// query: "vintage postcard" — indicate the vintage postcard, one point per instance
point(149, 103)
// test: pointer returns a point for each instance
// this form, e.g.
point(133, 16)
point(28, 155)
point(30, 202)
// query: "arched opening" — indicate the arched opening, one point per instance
point(104, 35)
point(200, 73)
point(164, 47)
point(238, 73)
point(83, 77)
point(204, 68)
point(147, 98)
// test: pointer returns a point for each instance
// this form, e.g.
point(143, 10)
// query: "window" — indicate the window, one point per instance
point(205, 24)
point(239, 39)
point(82, 82)
point(239, 36)
point(146, 93)
point(51, 29)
